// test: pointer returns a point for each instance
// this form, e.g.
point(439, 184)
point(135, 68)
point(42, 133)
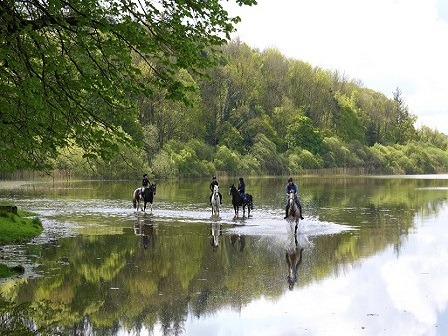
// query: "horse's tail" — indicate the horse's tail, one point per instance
point(134, 200)
point(250, 201)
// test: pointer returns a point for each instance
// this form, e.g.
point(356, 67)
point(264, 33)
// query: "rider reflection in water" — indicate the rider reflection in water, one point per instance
point(292, 186)
point(212, 186)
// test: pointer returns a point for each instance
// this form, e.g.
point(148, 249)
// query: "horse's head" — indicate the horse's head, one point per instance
point(232, 189)
point(153, 188)
point(216, 189)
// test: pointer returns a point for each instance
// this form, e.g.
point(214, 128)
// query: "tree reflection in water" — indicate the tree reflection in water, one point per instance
point(157, 273)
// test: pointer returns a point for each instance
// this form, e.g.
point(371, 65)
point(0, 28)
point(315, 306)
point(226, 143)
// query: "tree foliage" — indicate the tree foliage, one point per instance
point(137, 78)
point(68, 69)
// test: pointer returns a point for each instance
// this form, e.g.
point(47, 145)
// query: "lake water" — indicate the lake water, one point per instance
point(370, 258)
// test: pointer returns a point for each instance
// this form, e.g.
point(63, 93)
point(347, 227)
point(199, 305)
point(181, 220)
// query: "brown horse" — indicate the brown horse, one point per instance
point(293, 210)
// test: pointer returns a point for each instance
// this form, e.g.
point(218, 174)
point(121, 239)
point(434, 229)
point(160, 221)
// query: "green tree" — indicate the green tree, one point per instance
point(302, 133)
point(265, 152)
point(67, 73)
point(403, 121)
point(347, 123)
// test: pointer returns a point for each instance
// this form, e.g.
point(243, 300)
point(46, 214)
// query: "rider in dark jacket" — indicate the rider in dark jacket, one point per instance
point(292, 186)
point(145, 183)
point(242, 189)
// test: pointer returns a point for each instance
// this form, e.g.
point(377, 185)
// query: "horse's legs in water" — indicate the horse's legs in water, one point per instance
point(297, 225)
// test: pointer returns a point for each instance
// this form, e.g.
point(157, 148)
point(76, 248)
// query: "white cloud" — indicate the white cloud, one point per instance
point(384, 43)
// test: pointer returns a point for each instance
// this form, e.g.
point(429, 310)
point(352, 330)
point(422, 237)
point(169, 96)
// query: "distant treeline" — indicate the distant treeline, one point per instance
point(261, 113)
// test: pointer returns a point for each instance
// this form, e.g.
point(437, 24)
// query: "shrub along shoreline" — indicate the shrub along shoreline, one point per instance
point(16, 228)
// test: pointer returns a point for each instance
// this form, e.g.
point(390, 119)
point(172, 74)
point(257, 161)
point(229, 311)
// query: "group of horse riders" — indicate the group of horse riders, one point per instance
point(291, 186)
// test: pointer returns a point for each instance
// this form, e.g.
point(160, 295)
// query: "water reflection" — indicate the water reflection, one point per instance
point(238, 241)
point(215, 232)
point(293, 260)
point(120, 272)
point(144, 228)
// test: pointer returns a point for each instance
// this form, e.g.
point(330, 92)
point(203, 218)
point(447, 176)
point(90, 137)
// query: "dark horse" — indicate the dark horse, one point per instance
point(140, 199)
point(237, 201)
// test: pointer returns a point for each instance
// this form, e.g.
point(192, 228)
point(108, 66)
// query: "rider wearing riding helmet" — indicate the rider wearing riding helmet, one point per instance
point(212, 186)
point(292, 186)
point(145, 183)
point(242, 188)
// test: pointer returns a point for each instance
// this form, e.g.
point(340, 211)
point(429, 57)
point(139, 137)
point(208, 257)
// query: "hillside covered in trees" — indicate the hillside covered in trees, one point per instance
point(258, 112)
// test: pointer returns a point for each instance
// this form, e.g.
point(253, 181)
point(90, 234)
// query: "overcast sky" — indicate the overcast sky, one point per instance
point(383, 43)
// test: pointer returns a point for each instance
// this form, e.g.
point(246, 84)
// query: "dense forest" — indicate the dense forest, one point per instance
point(259, 112)
point(107, 89)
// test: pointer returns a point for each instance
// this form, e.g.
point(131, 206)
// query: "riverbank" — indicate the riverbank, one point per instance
point(17, 228)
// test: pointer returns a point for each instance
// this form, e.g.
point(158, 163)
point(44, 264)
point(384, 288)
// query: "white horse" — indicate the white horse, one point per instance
point(293, 210)
point(215, 201)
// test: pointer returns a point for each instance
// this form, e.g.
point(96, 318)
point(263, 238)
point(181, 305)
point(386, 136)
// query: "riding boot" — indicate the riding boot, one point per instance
point(300, 209)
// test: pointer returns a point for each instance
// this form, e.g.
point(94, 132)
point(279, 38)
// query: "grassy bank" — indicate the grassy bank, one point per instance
point(17, 228)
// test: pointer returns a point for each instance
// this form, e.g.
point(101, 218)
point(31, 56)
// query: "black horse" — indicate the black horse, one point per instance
point(237, 201)
point(147, 196)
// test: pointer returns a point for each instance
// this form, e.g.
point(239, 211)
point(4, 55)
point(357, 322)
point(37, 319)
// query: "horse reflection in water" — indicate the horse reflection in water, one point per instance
point(293, 255)
point(215, 232)
point(145, 229)
point(241, 240)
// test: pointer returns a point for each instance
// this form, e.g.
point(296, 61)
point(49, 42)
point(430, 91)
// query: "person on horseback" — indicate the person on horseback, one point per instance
point(212, 186)
point(292, 186)
point(242, 189)
point(145, 183)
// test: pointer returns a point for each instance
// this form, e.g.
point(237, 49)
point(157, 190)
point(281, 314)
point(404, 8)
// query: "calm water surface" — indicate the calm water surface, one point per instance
point(370, 258)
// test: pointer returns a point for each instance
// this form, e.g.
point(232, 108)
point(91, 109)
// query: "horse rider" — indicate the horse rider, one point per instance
point(292, 186)
point(242, 189)
point(212, 186)
point(145, 183)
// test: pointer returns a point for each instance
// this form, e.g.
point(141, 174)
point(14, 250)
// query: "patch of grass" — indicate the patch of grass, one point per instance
point(18, 229)
point(6, 271)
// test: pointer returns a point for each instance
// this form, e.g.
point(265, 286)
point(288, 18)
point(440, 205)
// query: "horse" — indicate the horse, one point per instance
point(215, 200)
point(237, 201)
point(293, 210)
point(146, 196)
